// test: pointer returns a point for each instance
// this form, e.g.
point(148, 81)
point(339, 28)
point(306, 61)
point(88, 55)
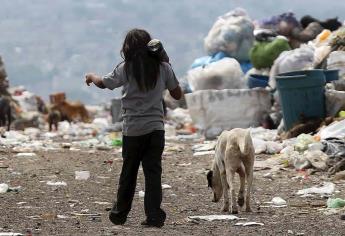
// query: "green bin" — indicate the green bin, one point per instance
point(301, 95)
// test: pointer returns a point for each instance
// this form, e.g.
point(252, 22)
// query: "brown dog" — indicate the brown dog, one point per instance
point(72, 111)
point(234, 153)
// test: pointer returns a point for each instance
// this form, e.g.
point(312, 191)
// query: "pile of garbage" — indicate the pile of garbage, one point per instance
point(235, 85)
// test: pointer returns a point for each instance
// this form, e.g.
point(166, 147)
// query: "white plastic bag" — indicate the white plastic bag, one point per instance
point(335, 102)
point(335, 130)
point(294, 60)
point(233, 34)
point(223, 74)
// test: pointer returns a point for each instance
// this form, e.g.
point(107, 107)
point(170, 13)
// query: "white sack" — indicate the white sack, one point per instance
point(216, 110)
point(223, 74)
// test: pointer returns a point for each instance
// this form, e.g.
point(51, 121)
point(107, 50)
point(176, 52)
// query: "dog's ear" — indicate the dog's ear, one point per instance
point(209, 178)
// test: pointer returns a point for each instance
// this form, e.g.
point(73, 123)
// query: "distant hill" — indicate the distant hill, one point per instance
point(48, 46)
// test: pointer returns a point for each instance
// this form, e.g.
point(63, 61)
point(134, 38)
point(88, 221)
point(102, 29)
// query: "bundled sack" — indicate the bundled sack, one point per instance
point(223, 74)
point(273, 22)
point(233, 34)
point(330, 24)
point(213, 111)
point(294, 60)
point(336, 61)
point(307, 34)
point(263, 54)
point(338, 40)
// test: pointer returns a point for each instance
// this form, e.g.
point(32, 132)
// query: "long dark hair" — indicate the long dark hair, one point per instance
point(139, 64)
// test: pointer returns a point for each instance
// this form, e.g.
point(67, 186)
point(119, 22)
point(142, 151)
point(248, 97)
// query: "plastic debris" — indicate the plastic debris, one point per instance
point(4, 188)
point(335, 203)
point(82, 175)
point(278, 201)
point(52, 183)
point(223, 74)
point(141, 194)
point(303, 141)
point(327, 189)
point(214, 217)
point(233, 34)
point(249, 224)
point(213, 111)
point(335, 130)
point(26, 154)
point(166, 186)
point(10, 234)
point(102, 203)
point(204, 153)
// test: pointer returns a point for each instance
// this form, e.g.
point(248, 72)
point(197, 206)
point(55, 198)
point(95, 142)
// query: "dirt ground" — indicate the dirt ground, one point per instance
point(53, 210)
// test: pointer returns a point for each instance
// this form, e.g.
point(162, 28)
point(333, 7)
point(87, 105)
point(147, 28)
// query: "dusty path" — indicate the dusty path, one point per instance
point(37, 205)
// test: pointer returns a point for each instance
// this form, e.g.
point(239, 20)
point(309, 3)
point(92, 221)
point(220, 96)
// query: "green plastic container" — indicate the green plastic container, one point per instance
point(301, 95)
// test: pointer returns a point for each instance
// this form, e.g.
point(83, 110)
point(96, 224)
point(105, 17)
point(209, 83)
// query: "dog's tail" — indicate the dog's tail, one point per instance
point(245, 143)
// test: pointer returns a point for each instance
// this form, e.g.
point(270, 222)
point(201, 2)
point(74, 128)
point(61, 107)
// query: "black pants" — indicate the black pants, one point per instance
point(148, 150)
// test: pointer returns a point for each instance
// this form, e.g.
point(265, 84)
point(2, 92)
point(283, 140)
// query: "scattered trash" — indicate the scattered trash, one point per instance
point(141, 194)
point(249, 224)
point(213, 111)
point(335, 203)
point(268, 175)
point(278, 201)
point(166, 186)
point(62, 217)
point(28, 154)
point(335, 130)
point(4, 188)
point(10, 234)
point(327, 189)
point(204, 153)
point(303, 140)
point(116, 142)
point(103, 203)
point(86, 214)
point(185, 164)
point(52, 183)
point(82, 175)
point(204, 147)
point(214, 217)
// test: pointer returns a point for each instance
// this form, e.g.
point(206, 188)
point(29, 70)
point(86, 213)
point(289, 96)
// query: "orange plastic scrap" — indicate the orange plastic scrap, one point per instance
point(317, 138)
point(324, 35)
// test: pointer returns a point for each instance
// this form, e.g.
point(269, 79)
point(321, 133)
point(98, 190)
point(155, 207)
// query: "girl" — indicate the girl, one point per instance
point(143, 77)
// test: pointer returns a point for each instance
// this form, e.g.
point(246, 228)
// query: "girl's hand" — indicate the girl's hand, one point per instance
point(89, 78)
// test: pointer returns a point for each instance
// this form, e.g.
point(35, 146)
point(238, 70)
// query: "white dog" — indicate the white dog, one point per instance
point(234, 153)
